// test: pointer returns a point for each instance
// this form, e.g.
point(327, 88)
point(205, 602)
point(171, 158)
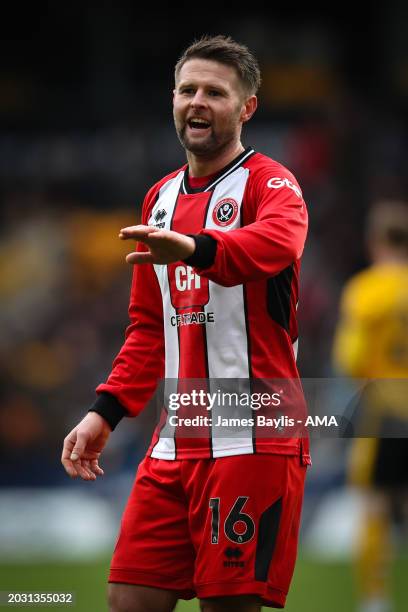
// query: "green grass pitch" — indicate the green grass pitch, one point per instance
point(316, 587)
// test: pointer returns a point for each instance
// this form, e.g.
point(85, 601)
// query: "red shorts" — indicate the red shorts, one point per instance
point(213, 527)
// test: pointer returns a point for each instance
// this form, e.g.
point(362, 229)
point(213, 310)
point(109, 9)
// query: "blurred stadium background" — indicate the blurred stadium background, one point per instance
point(85, 129)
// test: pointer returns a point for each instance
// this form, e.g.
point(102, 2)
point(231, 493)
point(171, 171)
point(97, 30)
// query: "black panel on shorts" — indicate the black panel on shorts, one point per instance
point(278, 296)
point(267, 535)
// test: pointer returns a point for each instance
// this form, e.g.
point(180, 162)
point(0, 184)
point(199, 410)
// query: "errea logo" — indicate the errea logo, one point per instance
point(277, 182)
point(158, 217)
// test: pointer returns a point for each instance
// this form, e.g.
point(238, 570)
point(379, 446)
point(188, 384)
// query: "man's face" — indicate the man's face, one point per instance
point(208, 106)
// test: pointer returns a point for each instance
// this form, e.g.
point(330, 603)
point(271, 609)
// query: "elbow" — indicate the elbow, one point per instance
point(294, 252)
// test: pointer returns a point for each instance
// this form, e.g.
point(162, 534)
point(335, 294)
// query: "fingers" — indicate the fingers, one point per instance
point(165, 246)
point(84, 469)
point(137, 232)
point(80, 446)
point(98, 471)
point(74, 457)
point(69, 443)
point(88, 469)
point(140, 258)
point(142, 233)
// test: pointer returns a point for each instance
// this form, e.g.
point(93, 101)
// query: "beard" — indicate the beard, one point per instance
point(209, 146)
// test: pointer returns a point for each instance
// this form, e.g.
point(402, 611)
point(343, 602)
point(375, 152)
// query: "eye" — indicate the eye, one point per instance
point(186, 90)
point(214, 93)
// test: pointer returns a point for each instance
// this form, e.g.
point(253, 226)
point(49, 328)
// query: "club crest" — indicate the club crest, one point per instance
point(225, 212)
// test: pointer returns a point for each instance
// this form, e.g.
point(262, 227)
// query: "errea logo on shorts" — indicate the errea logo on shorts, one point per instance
point(276, 183)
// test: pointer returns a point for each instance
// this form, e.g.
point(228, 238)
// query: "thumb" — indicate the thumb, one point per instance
point(80, 445)
point(140, 257)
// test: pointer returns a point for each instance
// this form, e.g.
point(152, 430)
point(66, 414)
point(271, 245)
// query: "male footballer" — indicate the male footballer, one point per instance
point(214, 296)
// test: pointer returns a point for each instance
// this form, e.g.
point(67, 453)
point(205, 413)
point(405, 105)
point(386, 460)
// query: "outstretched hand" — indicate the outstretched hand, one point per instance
point(165, 246)
point(83, 446)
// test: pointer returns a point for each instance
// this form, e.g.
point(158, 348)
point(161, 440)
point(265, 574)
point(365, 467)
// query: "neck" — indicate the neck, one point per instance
point(202, 165)
point(392, 258)
point(384, 255)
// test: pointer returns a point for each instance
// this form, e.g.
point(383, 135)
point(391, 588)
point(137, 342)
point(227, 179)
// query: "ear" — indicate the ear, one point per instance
point(248, 109)
point(174, 94)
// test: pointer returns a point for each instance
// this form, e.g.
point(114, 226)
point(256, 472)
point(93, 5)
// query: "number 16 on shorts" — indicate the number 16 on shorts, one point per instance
point(238, 526)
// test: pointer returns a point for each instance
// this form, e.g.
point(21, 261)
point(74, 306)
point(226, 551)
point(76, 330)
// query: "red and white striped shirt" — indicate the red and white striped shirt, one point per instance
point(236, 318)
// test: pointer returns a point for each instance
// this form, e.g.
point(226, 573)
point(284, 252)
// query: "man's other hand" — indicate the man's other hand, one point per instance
point(83, 446)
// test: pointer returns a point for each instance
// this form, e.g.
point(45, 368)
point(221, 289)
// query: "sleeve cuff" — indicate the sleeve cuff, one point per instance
point(109, 408)
point(205, 251)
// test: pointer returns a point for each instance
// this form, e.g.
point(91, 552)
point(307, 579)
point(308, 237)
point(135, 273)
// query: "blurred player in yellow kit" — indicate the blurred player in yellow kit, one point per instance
point(371, 341)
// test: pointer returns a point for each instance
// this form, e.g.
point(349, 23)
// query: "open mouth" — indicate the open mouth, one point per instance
point(197, 123)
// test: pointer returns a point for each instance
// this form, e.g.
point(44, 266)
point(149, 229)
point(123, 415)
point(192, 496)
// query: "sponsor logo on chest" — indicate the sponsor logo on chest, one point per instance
point(186, 279)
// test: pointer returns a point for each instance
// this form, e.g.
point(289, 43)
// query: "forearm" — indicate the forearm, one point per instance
point(259, 250)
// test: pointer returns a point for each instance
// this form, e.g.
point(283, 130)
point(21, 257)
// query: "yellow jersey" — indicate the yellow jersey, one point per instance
point(371, 341)
point(372, 336)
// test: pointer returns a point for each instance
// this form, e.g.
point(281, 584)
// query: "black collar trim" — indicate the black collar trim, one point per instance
point(221, 175)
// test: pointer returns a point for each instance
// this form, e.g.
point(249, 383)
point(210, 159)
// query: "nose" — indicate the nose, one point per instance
point(198, 100)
